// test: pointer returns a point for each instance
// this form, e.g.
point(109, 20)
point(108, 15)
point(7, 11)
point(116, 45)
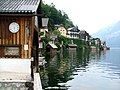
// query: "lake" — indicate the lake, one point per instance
point(82, 70)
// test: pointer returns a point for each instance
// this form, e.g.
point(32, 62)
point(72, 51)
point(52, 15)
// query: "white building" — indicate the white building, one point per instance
point(73, 32)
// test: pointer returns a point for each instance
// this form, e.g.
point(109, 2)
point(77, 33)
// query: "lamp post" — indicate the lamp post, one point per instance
point(44, 28)
point(45, 22)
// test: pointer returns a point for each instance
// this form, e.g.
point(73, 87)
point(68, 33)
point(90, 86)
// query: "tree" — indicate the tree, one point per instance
point(56, 32)
point(55, 16)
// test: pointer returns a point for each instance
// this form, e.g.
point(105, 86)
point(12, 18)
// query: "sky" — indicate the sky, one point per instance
point(89, 15)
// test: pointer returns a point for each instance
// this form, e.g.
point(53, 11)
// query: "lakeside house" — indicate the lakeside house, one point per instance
point(73, 32)
point(97, 41)
point(72, 47)
point(84, 35)
point(19, 28)
point(51, 48)
point(61, 29)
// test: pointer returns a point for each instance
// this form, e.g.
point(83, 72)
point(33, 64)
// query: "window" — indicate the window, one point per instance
point(10, 50)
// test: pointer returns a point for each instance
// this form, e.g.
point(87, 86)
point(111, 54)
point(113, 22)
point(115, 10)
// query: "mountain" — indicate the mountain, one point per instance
point(110, 34)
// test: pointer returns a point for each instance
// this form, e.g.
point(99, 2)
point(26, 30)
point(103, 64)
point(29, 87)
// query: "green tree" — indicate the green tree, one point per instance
point(56, 32)
point(55, 16)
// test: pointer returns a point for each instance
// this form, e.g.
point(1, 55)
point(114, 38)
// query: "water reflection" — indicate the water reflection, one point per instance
point(14, 86)
point(82, 70)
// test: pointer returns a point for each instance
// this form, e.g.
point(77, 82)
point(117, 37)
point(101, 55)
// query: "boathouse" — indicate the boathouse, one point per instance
point(72, 46)
point(52, 48)
point(19, 28)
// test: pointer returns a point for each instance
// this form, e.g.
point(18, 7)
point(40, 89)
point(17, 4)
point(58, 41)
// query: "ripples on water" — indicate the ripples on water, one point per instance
point(83, 70)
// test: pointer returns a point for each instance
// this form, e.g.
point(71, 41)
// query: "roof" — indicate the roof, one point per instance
point(53, 45)
point(19, 6)
point(84, 32)
point(73, 29)
point(61, 25)
point(72, 45)
point(70, 28)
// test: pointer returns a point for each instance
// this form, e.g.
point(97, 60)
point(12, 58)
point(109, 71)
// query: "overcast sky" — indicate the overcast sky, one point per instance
point(89, 15)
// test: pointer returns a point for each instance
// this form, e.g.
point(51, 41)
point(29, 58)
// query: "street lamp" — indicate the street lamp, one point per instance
point(44, 27)
point(42, 31)
point(45, 22)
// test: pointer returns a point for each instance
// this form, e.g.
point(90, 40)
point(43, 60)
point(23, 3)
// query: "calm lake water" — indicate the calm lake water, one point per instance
point(14, 86)
point(82, 70)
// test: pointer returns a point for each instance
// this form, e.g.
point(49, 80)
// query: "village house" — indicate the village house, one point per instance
point(61, 29)
point(84, 35)
point(97, 41)
point(72, 46)
point(19, 29)
point(73, 32)
point(104, 46)
point(51, 48)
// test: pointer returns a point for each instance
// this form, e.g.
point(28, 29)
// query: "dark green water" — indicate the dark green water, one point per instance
point(83, 70)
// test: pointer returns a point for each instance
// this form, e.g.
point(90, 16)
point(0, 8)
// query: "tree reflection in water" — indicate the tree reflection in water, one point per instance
point(61, 67)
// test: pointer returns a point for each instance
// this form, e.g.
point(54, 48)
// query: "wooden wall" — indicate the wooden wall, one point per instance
point(16, 39)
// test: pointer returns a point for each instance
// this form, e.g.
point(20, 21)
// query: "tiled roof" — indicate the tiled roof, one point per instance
point(82, 32)
point(53, 45)
point(73, 29)
point(18, 6)
point(70, 28)
point(72, 45)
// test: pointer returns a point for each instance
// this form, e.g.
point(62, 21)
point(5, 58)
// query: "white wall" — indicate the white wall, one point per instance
point(15, 65)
